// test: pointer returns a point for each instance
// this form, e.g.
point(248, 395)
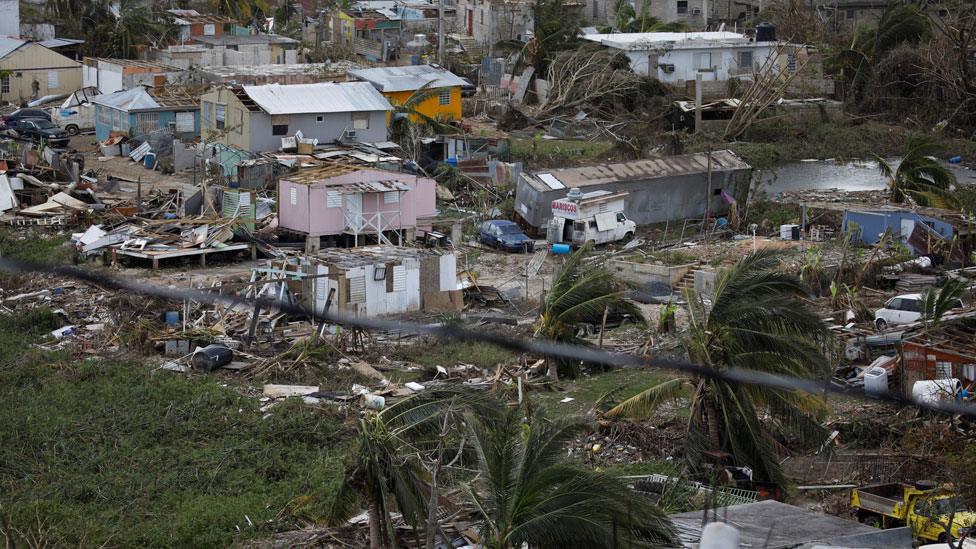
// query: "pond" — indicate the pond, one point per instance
point(856, 175)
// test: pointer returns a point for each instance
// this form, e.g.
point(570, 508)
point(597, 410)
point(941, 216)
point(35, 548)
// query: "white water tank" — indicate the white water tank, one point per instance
point(932, 391)
point(789, 232)
point(876, 381)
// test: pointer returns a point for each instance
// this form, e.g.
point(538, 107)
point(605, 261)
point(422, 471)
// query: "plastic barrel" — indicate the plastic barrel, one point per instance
point(172, 318)
point(414, 59)
point(561, 249)
point(452, 161)
point(149, 161)
point(212, 357)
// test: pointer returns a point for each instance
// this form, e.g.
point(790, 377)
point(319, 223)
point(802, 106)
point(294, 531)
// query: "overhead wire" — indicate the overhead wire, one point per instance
point(548, 348)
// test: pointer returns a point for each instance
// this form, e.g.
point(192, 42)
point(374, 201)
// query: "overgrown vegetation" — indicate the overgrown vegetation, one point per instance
point(112, 452)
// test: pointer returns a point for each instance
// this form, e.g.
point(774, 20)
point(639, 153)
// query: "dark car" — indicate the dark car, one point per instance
point(468, 89)
point(505, 235)
point(24, 114)
point(41, 130)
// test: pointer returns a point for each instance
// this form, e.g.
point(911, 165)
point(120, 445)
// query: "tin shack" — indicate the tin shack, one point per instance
point(658, 189)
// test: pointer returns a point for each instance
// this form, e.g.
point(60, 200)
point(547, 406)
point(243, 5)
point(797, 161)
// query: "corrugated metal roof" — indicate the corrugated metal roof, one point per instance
point(127, 100)
point(60, 42)
point(369, 187)
point(317, 98)
point(142, 99)
point(8, 45)
point(637, 170)
point(408, 78)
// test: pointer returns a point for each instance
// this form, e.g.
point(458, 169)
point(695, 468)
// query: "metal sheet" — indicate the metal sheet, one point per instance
point(606, 221)
point(324, 97)
point(551, 181)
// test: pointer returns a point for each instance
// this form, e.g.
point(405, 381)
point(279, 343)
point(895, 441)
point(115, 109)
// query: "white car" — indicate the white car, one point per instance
point(902, 309)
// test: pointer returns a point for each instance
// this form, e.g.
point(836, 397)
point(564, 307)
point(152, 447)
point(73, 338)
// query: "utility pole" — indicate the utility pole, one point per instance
point(708, 196)
point(440, 32)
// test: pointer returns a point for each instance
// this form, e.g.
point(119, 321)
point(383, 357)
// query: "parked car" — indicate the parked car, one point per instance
point(505, 235)
point(38, 130)
point(468, 89)
point(902, 309)
point(24, 114)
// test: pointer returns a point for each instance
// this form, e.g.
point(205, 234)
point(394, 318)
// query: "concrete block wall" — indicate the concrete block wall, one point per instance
point(645, 273)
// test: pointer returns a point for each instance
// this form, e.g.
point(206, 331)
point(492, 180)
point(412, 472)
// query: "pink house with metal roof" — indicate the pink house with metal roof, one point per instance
point(351, 202)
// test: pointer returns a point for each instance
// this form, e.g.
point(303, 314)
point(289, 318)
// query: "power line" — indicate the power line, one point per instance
point(548, 348)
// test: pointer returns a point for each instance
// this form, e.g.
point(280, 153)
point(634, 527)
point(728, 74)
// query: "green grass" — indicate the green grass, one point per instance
point(431, 352)
point(550, 150)
point(608, 388)
point(34, 248)
point(766, 145)
point(103, 452)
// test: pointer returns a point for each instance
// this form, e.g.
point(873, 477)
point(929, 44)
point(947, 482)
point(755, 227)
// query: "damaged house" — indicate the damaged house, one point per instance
point(947, 351)
point(141, 111)
point(256, 118)
point(658, 189)
point(371, 281)
point(349, 204)
point(923, 234)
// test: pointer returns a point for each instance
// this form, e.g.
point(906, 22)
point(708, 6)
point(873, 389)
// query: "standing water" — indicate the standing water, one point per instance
point(856, 175)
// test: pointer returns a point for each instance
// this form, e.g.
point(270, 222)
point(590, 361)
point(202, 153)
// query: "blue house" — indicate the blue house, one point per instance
point(142, 110)
point(919, 232)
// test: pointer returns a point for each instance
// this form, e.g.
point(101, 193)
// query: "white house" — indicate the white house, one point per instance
point(677, 57)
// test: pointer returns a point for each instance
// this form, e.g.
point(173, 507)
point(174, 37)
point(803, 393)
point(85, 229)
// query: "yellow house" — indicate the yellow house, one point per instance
point(399, 83)
point(29, 70)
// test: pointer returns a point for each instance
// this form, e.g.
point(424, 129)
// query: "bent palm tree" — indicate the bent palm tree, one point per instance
point(387, 473)
point(936, 303)
point(580, 294)
point(919, 176)
point(526, 492)
point(756, 321)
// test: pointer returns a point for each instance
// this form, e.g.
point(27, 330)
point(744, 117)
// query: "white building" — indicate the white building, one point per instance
point(677, 57)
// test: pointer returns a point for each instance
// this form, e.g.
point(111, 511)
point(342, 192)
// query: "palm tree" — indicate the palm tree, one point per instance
point(527, 492)
point(410, 123)
point(898, 25)
point(388, 470)
point(936, 303)
point(580, 293)
point(920, 176)
point(755, 320)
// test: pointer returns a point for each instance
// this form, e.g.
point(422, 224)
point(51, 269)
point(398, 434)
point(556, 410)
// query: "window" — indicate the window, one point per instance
point(53, 80)
point(392, 197)
point(319, 119)
point(221, 116)
point(240, 124)
point(147, 122)
point(851, 14)
point(209, 30)
point(910, 305)
point(745, 60)
point(620, 217)
point(943, 370)
point(333, 199)
point(703, 61)
point(399, 278)
point(445, 97)
point(596, 9)
point(360, 120)
point(5, 84)
point(185, 122)
point(293, 196)
point(205, 114)
point(682, 6)
point(104, 116)
point(894, 304)
point(357, 289)
point(279, 125)
point(791, 63)
point(482, 17)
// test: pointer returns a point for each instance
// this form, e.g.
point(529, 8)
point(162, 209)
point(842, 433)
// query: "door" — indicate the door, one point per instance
point(354, 211)
point(470, 22)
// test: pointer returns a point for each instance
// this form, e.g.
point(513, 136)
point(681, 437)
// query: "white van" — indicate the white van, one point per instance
point(76, 114)
point(902, 309)
point(596, 217)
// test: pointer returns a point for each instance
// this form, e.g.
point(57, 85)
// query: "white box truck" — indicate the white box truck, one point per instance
point(596, 217)
point(77, 113)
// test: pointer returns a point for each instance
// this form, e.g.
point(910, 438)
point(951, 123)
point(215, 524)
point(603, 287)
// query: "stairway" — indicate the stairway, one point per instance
point(471, 46)
point(686, 282)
